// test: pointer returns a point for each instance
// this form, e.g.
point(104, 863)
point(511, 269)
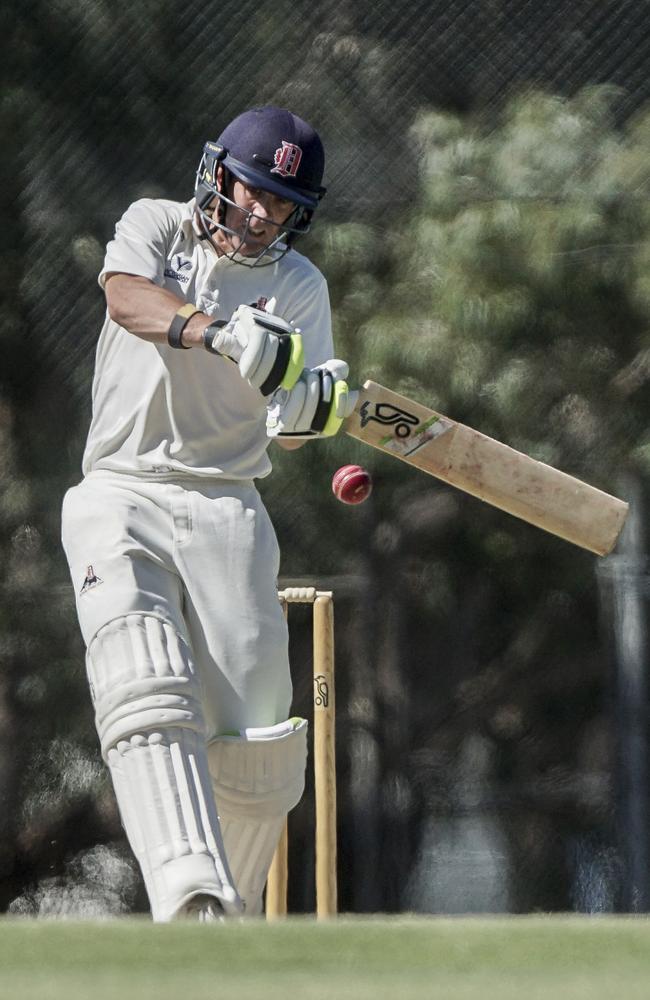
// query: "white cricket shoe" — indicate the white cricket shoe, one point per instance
point(204, 908)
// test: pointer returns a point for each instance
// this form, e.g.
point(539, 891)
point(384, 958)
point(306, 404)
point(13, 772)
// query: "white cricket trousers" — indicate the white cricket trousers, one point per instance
point(187, 648)
point(205, 559)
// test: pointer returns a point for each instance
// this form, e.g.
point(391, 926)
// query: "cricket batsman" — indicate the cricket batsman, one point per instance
point(217, 339)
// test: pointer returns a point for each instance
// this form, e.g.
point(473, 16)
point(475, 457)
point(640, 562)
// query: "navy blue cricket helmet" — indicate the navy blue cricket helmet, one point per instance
point(271, 149)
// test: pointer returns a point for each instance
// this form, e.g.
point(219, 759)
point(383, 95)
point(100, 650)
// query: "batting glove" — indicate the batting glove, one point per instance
point(267, 349)
point(316, 406)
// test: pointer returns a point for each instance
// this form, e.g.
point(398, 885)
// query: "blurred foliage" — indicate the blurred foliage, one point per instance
point(509, 296)
point(487, 250)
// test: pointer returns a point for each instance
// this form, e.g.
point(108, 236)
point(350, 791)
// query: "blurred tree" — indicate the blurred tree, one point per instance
point(512, 298)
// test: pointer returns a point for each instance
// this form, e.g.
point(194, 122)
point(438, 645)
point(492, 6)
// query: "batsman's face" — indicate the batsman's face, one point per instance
point(269, 214)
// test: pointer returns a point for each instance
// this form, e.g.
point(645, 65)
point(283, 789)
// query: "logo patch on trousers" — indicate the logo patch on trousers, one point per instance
point(91, 580)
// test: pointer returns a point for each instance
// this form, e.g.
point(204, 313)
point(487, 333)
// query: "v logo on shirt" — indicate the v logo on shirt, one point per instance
point(179, 264)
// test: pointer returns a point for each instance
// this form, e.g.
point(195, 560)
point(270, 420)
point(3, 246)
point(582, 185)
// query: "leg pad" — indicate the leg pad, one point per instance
point(258, 776)
point(149, 719)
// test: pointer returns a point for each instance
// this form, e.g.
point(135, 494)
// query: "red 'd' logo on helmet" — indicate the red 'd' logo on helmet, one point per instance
point(287, 159)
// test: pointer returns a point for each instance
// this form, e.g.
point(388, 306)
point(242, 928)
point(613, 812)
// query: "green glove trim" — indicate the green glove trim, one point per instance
point(296, 362)
point(333, 423)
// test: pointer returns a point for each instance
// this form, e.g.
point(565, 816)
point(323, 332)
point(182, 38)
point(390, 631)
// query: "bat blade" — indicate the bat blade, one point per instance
point(487, 469)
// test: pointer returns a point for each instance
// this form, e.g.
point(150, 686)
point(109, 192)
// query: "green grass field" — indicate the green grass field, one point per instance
point(515, 958)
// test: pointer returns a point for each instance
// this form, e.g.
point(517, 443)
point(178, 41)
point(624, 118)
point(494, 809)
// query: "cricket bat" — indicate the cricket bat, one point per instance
point(487, 469)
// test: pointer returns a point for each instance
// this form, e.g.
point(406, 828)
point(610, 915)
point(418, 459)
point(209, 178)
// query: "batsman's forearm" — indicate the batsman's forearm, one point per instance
point(146, 310)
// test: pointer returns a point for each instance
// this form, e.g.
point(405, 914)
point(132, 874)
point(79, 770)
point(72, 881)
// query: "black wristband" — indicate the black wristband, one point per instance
point(208, 335)
point(178, 324)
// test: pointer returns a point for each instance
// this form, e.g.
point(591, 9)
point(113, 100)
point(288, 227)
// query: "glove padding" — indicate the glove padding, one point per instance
point(267, 349)
point(316, 406)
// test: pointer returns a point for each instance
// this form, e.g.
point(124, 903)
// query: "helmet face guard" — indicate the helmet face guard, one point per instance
point(270, 149)
point(213, 216)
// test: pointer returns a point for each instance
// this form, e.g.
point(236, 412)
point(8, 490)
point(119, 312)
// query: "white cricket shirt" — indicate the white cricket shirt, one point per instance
point(160, 412)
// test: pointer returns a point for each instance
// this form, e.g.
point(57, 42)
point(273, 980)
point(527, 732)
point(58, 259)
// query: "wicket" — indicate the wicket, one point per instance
point(324, 763)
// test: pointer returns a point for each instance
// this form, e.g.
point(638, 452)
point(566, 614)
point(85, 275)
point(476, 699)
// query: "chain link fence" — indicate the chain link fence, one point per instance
point(110, 101)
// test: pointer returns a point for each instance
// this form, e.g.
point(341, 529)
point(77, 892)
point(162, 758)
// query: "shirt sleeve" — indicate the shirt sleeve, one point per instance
point(308, 308)
point(142, 239)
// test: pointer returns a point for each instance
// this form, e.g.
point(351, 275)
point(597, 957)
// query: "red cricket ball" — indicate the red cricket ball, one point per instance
point(351, 484)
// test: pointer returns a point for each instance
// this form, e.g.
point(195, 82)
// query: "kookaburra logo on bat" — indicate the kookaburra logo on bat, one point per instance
point(321, 691)
point(389, 416)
